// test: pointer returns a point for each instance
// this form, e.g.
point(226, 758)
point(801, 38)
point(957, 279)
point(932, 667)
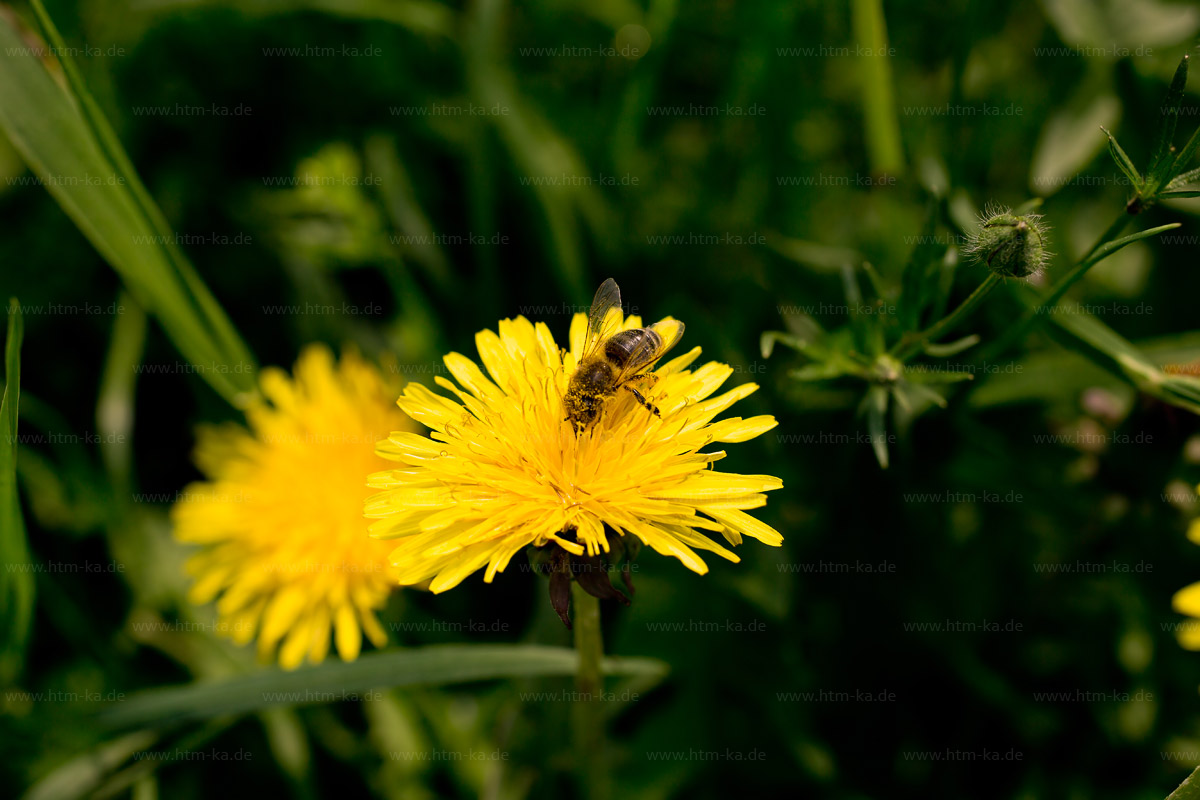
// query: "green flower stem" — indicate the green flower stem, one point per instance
point(1029, 318)
point(911, 344)
point(588, 709)
point(1066, 282)
point(1102, 250)
point(1189, 789)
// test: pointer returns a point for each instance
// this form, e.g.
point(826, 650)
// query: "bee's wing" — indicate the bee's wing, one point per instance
point(604, 318)
point(669, 331)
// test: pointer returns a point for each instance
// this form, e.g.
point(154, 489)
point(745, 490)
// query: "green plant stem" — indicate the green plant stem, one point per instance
point(1104, 248)
point(1029, 318)
point(588, 709)
point(1189, 789)
point(910, 345)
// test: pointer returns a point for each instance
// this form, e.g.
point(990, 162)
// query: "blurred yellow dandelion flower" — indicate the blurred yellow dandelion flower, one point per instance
point(1187, 600)
point(503, 467)
point(280, 517)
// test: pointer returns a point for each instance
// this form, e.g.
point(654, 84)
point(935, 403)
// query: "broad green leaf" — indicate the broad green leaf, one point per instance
point(438, 665)
point(16, 586)
point(63, 137)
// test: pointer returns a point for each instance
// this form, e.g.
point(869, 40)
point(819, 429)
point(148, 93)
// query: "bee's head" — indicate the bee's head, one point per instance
point(587, 413)
point(583, 408)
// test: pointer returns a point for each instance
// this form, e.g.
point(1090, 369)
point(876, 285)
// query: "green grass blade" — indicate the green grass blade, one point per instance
point(63, 137)
point(235, 351)
point(114, 407)
point(879, 105)
point(16, 587)
point(425, 666)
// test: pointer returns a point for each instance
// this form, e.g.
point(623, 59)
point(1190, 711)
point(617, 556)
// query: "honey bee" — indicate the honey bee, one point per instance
point(614, 359)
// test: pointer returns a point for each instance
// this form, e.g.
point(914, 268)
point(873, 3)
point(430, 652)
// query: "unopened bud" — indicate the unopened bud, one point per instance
point(1009, 245)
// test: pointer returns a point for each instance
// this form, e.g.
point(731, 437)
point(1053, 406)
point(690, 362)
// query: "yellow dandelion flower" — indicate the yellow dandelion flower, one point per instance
point(280, 517)
point(504, 468)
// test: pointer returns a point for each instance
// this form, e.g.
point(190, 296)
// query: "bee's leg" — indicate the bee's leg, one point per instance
point(641, 399)
point(647, 380)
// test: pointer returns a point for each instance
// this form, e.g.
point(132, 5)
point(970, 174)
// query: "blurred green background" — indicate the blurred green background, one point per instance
point(399, 175)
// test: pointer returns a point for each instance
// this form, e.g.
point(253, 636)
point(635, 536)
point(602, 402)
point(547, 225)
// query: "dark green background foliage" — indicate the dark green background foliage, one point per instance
point(995, 102)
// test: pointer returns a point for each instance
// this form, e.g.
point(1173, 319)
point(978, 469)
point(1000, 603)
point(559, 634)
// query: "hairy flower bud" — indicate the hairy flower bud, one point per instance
point(1011, 246)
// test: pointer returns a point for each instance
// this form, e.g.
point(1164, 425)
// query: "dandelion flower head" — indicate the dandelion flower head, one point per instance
point(279, 519)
